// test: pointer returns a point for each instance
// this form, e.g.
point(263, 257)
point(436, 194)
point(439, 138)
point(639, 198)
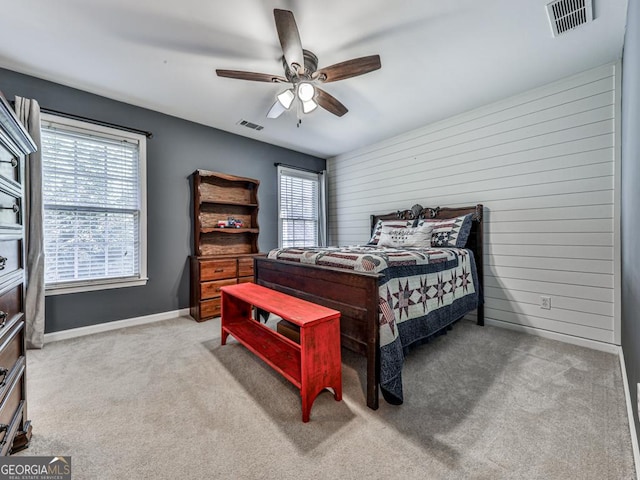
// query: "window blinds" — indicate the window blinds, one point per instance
point(92, 205)
point(299, 206)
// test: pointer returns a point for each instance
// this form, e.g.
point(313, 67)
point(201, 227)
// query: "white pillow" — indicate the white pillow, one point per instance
point(406, 237)
point(387, 223)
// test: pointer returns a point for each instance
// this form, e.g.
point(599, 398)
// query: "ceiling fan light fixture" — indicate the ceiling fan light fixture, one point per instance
point(286, 98)
point(309, 106)
point(301, 71)
point(306, 92)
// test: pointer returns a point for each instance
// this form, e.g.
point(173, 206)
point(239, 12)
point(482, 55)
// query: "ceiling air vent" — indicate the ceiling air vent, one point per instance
point(566, 15)
point(252, 126)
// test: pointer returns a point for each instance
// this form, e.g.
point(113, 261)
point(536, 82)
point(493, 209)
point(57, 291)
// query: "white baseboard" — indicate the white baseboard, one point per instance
point(561, 337)
point(632, 423)
point(107, 326)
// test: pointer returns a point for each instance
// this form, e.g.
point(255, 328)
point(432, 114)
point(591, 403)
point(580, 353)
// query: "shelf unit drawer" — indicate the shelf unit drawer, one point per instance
point(210, 308)
point(10, 256)
point(11, 408)
point(9, 165)
point(10, 350)
point(10, 304)
point(9, 210)
point(217, 269)
point(245, 267)
point(212, 289)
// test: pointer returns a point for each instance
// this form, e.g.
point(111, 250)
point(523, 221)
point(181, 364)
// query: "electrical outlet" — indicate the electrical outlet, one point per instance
point(545, 302)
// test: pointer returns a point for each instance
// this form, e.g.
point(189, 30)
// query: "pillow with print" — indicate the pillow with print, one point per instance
point(406, 237)
point(450, 232)
point(377, 230)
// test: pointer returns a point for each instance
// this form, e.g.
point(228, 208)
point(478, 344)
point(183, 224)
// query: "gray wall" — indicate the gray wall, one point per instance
point(178, 147)
point(630, 221)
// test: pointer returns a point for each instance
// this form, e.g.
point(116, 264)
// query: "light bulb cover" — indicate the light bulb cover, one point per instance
point(306, 91)
point(309, 106)
point(276, 110)
point(286, 98)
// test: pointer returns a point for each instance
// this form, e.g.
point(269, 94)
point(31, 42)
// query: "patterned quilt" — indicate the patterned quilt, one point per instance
point(421, 291)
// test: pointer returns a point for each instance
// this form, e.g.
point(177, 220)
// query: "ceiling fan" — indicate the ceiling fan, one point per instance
point(301, 70)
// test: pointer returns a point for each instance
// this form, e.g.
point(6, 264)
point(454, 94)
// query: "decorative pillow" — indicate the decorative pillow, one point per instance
point(377, 230)
point(406, 237)
point(450, 232)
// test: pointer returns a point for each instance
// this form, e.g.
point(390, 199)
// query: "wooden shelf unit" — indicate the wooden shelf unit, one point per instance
point(218, 196)
point(222, 256)
point(311, 365)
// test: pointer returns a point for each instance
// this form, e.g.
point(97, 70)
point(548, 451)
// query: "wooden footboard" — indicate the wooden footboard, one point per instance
point(353, 294)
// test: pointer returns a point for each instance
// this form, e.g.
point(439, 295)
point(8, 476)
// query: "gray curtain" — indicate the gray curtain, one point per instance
point(323, 235)
point(28, 112)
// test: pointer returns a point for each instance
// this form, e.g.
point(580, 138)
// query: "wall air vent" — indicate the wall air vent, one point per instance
point(565, 15)
point(252, 126)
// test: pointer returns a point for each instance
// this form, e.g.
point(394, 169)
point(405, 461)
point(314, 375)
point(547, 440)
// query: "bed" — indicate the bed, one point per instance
point(389, 298)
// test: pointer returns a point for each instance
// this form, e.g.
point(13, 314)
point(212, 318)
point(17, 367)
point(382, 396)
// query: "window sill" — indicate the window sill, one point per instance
point(92, 287)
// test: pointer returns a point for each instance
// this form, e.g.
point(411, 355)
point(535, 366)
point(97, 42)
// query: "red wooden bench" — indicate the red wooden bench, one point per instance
point(311, 365)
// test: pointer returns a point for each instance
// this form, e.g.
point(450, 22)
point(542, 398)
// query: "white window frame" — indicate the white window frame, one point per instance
point(117, 134)
point(320, 177)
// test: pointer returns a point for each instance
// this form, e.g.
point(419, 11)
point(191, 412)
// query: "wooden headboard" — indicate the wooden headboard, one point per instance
point(474, 242)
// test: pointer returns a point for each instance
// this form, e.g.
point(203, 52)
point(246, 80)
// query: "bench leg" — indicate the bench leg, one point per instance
point(337, 392)
point(306, 406)
point(233, 310)
point(308, 398)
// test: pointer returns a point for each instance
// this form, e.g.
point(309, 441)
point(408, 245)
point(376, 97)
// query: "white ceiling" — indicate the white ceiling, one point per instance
point(439, 58)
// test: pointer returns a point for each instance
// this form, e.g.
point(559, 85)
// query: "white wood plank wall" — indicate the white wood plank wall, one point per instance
point(543, 165)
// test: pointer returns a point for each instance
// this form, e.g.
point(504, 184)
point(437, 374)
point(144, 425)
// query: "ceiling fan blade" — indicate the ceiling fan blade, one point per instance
point(276, 110)
point(329, 103)
point(289, 39)
point(256, 77)
point(348, 69)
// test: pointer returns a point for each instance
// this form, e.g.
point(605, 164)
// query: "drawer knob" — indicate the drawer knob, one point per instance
point(15, 207)
point(3, 262)
point(218, 270)
point(3, 318)
point(13, 162)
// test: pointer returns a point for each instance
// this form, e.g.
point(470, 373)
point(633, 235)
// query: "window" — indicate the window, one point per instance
point(94, 195)
point(301, 208)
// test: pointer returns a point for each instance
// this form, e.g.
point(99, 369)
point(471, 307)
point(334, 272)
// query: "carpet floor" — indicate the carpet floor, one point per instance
point(167, 401)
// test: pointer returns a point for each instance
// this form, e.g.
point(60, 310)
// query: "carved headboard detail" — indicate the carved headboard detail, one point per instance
point(417, 212)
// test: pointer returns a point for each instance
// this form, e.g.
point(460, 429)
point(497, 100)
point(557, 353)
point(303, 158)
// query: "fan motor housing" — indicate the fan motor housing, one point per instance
point(310, 66)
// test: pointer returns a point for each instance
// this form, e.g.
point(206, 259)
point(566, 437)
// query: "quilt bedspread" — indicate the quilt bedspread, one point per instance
point(420, 292)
